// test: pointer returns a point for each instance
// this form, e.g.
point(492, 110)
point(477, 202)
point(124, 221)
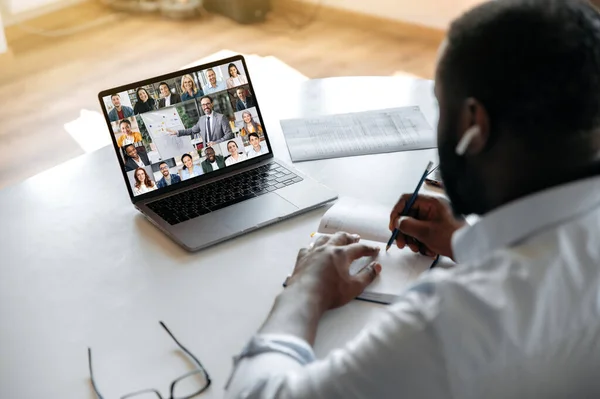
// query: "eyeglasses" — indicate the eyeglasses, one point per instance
point(185, 387)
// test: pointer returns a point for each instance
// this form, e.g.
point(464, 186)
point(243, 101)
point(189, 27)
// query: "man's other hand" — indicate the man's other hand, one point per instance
point(324, 269)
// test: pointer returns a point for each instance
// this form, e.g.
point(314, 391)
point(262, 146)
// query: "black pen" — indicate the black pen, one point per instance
point(408, 205)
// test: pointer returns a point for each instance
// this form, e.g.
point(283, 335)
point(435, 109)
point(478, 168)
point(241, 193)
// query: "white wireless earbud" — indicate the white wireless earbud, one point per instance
point(463, 144)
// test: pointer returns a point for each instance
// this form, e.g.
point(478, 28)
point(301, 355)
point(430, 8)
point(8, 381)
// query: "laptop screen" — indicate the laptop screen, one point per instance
point(185, 126)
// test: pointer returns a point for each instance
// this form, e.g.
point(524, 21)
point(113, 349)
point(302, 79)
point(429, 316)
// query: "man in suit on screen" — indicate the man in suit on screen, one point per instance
point(244, 101)
point(212, 126)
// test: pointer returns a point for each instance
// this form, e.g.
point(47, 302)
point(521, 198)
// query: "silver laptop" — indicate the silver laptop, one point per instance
point(196, 157)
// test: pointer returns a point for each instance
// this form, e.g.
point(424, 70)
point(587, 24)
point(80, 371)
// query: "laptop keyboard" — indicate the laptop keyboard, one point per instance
point(201, 200)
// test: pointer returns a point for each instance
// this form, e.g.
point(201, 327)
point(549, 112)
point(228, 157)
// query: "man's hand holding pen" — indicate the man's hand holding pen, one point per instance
point(428, 227)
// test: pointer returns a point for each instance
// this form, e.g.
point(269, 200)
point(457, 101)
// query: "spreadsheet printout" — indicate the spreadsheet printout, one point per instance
point(359, 133)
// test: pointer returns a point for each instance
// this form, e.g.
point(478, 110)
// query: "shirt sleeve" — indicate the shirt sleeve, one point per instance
point(193, 130)
point(398, 355)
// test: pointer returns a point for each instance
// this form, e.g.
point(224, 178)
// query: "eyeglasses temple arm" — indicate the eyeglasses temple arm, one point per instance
point(183, 348)
point(92, 374)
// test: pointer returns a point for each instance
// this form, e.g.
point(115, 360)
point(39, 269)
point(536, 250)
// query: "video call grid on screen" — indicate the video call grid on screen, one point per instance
point(159, 127)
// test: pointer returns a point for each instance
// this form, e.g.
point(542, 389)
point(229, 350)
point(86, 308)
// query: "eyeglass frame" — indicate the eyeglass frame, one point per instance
point(200, 369)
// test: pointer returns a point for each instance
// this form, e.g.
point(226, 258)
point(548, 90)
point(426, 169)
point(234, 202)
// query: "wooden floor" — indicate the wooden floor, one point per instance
point(46, 81)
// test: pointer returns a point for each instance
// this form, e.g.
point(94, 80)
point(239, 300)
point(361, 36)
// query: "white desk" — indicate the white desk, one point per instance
point(79, 266)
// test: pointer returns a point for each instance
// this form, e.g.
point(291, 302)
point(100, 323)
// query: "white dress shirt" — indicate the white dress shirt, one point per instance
point(253, 153)
point(143, 189)
point(140, 163)
point(519, 317)
point(219, 86)
point(168, 101)
point(230, 160)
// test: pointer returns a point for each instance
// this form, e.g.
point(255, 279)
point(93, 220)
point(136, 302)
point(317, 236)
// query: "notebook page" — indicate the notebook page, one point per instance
point(399, 267)
point(370, 221)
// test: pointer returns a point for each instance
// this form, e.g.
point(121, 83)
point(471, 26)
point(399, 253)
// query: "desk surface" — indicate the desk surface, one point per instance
point(81, 267)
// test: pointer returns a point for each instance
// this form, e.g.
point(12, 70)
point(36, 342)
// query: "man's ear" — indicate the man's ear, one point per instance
point(476, 123)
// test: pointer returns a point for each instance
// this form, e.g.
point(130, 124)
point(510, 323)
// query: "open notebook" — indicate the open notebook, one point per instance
point(370, 221)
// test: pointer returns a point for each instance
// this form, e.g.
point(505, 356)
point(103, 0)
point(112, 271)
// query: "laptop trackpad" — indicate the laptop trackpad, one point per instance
point(255, 212)
point(235, 219)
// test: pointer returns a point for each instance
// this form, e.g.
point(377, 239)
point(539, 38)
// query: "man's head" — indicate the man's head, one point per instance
point(523, 76)
point(241, 93)
point(164, 169)
point(131, 151)
point(210, 154)
point(116, 100)
point(254, 140)
point(125, 126)
point(165, 90)
point(212, 77)
point(207, 105)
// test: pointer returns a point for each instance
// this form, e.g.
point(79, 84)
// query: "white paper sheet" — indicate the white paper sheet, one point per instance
point(399, 268)
point(157, 123)
point(370, 132)
point(370, 221)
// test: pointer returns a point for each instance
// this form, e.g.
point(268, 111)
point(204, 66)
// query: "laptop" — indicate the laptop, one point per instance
point(196, 158)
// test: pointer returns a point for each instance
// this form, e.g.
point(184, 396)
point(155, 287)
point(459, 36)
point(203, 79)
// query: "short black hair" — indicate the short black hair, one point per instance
point(163, 162)
point(209, 148)
point(164, 83)
point(533, 64)
point(114, 95)
point(253, 134)
point(203, 97)
point(126, 121)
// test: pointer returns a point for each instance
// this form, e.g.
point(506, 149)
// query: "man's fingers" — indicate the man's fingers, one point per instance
point(355, 251)
point(321, 240)
point(422, 208)
point(367, 275)
point(341, 238)
point(415, 228)
point(397, 210)
point(301, 253)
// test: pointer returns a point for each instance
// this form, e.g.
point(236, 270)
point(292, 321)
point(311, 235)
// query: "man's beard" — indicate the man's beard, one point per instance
point(462, 183)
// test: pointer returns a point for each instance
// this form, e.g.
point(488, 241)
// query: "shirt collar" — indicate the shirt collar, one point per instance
point(517, 220)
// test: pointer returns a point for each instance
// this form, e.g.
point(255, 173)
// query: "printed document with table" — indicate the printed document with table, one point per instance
point(359, 133)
